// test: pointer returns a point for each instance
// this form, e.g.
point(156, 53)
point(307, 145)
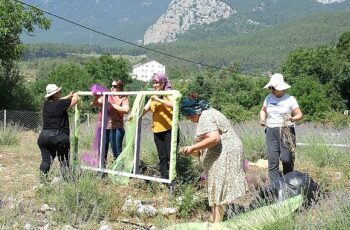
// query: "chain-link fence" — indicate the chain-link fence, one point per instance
point(28, 120)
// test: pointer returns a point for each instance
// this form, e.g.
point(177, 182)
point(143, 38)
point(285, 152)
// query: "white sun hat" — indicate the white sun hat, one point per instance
point(51, 89)
point(277, 82)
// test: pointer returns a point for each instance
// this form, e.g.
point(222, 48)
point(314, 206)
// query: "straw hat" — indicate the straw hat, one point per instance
point(51, 89)
point(277, 82)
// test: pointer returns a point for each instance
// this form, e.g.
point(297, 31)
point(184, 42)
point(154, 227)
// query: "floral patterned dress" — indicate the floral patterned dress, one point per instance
point(223, 163)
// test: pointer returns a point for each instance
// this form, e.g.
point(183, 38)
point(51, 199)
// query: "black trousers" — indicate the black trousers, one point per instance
point(278, 148)
point(54, 143)
point(163, 144)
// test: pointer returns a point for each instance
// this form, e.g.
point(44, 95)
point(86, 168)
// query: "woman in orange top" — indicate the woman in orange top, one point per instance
point(162, 114)
point(118, 105)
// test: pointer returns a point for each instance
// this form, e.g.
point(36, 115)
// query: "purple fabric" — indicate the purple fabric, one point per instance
point(91, 158)
point(97, 88)
point(162, 78)
point(245, 165)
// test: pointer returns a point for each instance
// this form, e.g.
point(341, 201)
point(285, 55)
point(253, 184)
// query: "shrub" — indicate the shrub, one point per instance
point(10, 135)
point(81, 201)
point(186, 200)
point(253, 141)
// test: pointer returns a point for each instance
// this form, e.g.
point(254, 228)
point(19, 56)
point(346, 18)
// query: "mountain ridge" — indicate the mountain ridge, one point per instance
point(129, 20)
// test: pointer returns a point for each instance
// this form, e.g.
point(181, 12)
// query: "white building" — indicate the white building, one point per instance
point(144, 71)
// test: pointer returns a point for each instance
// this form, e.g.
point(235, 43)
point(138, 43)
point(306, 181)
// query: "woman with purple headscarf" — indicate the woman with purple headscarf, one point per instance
point(162, 114)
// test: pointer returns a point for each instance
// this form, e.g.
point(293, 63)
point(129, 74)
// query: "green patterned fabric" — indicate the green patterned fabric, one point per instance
point(74, 156)
point(124, 162)
point(174, 137)
point(259, 218)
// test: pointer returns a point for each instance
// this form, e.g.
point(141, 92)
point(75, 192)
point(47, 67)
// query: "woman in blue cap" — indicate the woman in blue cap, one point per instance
point(220, 152)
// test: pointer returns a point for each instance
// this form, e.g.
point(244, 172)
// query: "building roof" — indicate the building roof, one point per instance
point(144, 62)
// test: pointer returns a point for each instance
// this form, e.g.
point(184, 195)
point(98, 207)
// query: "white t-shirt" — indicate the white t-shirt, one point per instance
point(277, 108)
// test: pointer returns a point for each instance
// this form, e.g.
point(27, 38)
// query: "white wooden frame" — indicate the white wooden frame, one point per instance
point(135, 173)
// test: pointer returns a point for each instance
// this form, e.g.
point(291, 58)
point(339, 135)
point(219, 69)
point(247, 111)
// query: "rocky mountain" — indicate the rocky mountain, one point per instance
point(153, 21)
point(181, 15)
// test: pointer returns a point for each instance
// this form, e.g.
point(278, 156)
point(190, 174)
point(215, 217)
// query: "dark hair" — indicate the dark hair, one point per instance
point(119, 85)
point(193, 96)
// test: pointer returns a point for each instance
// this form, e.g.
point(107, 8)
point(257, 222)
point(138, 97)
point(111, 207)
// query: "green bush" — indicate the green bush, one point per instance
point(81, 201)
point(253, 139)
point(186, 200)
point(337, 119)
point(9, 136)
point(254, 147)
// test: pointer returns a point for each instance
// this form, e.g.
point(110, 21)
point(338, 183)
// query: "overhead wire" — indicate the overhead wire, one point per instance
point(122, 40)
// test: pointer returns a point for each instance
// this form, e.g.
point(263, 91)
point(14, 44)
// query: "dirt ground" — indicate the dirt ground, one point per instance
point(19, 165)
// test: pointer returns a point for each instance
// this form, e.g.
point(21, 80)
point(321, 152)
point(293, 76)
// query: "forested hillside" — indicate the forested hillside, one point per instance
point(255, 52)
point(130, 19)
point(260, 51)
point(272, 12)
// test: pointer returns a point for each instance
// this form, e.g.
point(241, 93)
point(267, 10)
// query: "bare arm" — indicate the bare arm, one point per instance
point(297, 115)
point(74, 100)
point(263, 116)
point(210, 139)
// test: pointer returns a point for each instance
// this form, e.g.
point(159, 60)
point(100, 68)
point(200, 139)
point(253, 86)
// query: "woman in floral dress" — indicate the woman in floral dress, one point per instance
point(221, 155)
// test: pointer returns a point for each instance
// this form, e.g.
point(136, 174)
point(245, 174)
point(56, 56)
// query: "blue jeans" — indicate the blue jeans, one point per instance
point(115, 138)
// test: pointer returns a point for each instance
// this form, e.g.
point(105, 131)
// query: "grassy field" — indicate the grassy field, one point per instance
point(89, 202)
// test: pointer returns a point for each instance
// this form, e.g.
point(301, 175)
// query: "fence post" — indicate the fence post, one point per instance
point(4, 120)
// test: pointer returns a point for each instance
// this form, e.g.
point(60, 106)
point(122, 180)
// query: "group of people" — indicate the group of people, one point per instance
point(54, 138)
point(218, 147)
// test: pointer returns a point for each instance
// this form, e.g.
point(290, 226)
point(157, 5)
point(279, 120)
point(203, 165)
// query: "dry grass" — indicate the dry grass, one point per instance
point(19, 175)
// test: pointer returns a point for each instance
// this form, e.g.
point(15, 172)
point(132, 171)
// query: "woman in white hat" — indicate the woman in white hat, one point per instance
point(278, 114)
point(54, 138)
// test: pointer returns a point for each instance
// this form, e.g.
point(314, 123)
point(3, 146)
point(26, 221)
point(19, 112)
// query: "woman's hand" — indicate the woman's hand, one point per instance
point(154, 97)
point(168, 103)
point(262, 122)
point(189, 150)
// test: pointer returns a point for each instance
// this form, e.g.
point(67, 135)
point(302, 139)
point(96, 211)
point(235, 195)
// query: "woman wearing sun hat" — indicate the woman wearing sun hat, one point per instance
point(278, 114)
point(54, 138)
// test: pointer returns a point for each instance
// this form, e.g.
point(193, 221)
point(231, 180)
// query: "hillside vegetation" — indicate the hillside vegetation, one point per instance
point(255, 52)
point(260, 51)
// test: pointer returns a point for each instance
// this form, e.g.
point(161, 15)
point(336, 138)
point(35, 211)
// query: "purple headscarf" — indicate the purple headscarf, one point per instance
point(162, 78)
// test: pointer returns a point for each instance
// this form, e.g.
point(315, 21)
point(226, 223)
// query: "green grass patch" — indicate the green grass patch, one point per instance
point(80, 201)
point(10, 135)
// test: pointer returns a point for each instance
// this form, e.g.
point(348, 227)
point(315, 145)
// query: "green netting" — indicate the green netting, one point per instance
point(174, 136)
point(124, 162)
point(259, 218)
point(74, 159)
